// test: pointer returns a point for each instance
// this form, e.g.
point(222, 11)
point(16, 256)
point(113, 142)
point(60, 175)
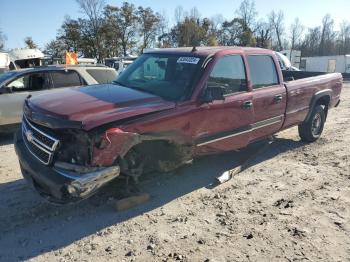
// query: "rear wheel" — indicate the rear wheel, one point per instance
point(311, 130)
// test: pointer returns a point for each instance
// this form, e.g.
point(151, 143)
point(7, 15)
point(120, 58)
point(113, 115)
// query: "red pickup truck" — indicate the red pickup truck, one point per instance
point(166, 108)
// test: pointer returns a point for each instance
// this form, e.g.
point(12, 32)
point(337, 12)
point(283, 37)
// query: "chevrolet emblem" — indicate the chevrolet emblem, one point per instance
point(29, 135)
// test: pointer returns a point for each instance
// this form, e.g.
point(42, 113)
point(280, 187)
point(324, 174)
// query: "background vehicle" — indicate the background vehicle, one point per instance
point(25, 58)
point(119, 63)
point(285, 63)
point(293, 56)
point(167, 107)
point(87, 61)
point(16, 85)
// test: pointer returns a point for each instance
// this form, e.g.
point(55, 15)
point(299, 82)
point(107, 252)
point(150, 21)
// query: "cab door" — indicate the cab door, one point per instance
point(269, 96)
point(225, 124)
point(11, 102)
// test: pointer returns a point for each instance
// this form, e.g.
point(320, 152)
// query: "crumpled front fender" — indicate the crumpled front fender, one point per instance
point(115, 143)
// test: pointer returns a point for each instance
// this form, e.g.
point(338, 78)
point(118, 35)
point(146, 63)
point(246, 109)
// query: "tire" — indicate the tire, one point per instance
point(311, 130)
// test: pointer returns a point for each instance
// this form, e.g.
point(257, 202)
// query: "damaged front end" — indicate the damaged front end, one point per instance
point(57, 163)
point(68, 165)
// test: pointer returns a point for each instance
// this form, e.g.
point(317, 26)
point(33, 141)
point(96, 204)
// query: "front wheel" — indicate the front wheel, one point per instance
point(311, 130)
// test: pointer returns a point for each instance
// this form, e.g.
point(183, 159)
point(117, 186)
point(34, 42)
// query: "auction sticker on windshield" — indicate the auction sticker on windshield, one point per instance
point(188, 60)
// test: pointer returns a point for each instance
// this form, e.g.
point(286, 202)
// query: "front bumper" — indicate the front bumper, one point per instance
point(60, 185)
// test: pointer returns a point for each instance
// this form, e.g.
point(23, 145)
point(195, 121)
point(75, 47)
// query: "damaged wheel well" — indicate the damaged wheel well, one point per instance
point(154, 155)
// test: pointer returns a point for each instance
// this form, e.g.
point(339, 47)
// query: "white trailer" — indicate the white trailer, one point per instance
point(4, 62)
point(327, 64)
point(25, 58)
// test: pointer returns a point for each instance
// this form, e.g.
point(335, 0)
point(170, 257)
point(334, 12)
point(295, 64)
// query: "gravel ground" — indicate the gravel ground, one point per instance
point(291, 204)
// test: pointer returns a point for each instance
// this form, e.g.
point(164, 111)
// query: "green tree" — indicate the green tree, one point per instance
point(70, 34)
point(55, 48)
point(149, 22)
point(127, 21)
point(191, 32)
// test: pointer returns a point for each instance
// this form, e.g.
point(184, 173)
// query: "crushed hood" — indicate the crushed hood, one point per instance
point(95, 105)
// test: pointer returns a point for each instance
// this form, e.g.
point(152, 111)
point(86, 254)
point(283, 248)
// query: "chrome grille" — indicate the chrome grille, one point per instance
point(39, 144)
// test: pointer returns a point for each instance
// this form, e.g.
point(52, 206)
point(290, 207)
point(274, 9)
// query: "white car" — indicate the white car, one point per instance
point(16, 85)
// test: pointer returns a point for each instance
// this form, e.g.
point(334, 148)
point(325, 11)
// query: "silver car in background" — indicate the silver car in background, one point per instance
point(16, 85)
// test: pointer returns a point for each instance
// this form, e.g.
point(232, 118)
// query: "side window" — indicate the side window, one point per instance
point(65, 79)
point(30, 82)
point(262, 71)
point(229, 72)
point(102, 76)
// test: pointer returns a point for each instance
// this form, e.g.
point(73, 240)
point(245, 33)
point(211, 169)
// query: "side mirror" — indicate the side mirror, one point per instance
point(8, 89)
point(212, 93)
point(5, 90)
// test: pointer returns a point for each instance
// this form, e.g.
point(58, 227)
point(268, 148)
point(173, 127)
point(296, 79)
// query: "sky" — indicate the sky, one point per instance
point(41, 19)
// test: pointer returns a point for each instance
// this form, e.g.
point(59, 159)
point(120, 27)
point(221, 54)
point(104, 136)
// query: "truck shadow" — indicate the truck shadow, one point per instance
point(30, 227)
point(6, 138)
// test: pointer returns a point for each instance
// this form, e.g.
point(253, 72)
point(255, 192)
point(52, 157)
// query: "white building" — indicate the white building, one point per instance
point(330, 64)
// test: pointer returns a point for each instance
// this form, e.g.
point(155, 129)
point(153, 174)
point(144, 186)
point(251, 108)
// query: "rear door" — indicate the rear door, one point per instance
point(11, 103)
point(225, 123)
point(269, 96)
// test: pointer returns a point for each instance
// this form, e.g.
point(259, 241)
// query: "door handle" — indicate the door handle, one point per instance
point(278, 98)
point(247, 104)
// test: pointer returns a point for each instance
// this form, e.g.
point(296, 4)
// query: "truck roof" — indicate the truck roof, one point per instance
point(207, 50)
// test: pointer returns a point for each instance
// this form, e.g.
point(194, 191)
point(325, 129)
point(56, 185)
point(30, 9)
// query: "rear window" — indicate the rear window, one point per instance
point(262, 70)
point(103, 76)
point(65, 79)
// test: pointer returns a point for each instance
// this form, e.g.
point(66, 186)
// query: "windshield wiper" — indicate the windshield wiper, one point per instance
point(135, 88)
point(118, 83)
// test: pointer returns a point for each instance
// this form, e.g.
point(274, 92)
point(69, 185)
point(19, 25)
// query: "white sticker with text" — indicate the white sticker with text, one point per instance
point(188, 60)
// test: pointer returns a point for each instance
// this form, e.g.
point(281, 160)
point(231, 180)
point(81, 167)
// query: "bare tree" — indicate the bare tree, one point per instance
point(163, 35)
point(247, 13)
point(276, 21)
point(194, 13)
point(344, 38)
point(2, 40)
point(179, 14)
point(263, 34)
point(29, 42)
point(296, 31)
point(327, 35)
point(309, 46)
point(217, 21)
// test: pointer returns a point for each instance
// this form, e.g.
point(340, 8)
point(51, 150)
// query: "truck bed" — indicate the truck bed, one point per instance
point(303, 88)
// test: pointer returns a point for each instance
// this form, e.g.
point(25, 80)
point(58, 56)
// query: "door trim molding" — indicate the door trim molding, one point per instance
point(238, 131)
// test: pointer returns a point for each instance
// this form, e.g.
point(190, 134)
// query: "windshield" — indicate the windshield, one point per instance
point(168, 76)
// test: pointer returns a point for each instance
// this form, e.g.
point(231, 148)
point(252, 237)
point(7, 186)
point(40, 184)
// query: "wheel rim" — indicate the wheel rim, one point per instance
point(316, 125)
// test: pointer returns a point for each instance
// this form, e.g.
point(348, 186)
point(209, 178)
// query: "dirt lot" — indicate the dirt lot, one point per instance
point(291, 204)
